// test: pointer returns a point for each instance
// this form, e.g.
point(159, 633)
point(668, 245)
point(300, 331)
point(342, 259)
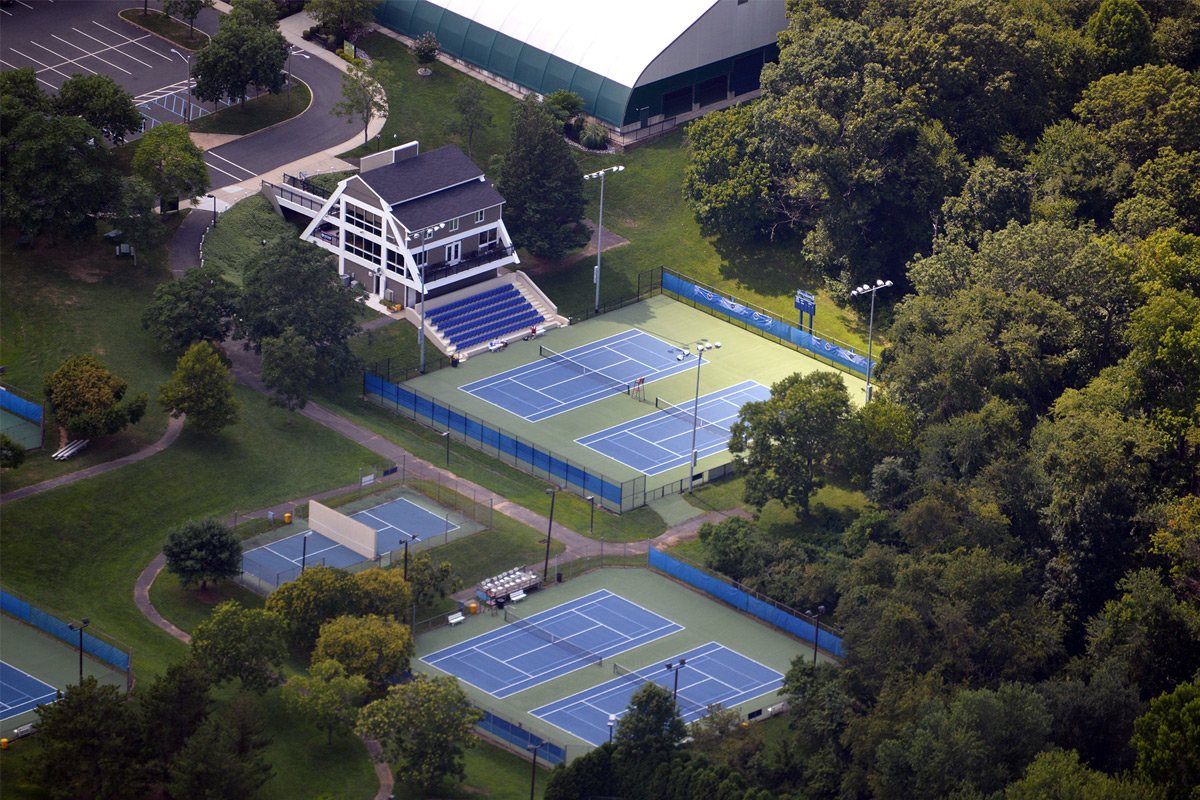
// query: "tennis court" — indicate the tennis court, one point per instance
point(395, 523)
point(564, 381)
point(555, 642)
point(662, 440)
point(21, 692)
point(711, 673)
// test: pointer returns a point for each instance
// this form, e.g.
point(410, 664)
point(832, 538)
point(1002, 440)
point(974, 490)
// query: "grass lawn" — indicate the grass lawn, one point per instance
point(187, 608)
point(234, 246)
point(177, 33)
point(259, 112)
point(492, 771)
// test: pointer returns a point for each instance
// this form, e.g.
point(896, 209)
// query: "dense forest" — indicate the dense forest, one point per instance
point(1021, 601)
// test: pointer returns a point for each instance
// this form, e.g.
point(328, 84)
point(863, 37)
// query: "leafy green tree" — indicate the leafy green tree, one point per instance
point(102, 102)
point(343, 19)
point(992, 198)
point(241, 54)
point(167, 159)
point(877, 430)
point(783, 445)
point(1075, 175)
point(171, 709)
point(263, 13)
point(328, 697)
point(88, 400)
point(542, 185)
point(363, 98)
point(1138, 112)
point(651, 725)
point(429, 581)
point(188, 9)
point(246, 644)
point(474, 115)
point(425, 48)
point(384, 592)
point(1061, 776)
point(726, 545)
point(94, 730)
point(1123, 35)
point(425, 726)
point(319, 308)
point(375, 647)
point(1094, 717)
point(12, 454)
point(202, 550)
point(289, 370)
point(319, 593)
point(196, 308)
point(564, 105)
point(134, 215)
point(1170, 179)
point(727, 177)
point(20, 96)
point(224, 759)
point(202, 388)
point(1167, 739)
point(1178, 541)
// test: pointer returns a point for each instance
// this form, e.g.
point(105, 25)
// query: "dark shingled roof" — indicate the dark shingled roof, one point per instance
point(420, 175)
point(440, 206)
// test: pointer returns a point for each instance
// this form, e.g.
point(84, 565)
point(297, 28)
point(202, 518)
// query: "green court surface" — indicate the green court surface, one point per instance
point(48, 659)
point(703, 619)
point(20, 430)
point(743, 356)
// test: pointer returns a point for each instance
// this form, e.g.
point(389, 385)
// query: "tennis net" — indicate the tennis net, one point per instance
point(582, 369)
point(582, 652)
point(689, 417)
point(686, 707)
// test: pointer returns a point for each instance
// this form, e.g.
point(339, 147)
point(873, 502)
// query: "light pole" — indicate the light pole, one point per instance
point(213, 197)
point(600, 229)
point(612, 721)
point(406, 541)
point(816, 618)
point(72, 626)
point(533, 748)
point(290, 54)
point(425, 235)
point(692, 459)
point(187, 103)
point(553, 492)
point(865, 288)
point(446, 436)
point(304, 551)
point(592, 526)
point(675, 693)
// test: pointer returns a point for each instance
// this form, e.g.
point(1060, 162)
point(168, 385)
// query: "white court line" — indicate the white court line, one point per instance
point(137, 41)
point(87, 54)
point(115, 47)
point(42, 64)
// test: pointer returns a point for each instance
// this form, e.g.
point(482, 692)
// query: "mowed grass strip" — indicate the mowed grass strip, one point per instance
point(259, 112)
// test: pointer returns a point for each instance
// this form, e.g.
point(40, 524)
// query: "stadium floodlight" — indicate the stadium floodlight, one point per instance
point(816, 618)
point(72, 626)
point(861, 290)
point(675, 692)
point(612, 721)
point(424, 235)
point(692, 456)
point(600, 226)
point(552, 491)
point(533, 748)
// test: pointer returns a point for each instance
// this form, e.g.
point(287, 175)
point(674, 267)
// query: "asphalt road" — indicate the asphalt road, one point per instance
point(61, 38)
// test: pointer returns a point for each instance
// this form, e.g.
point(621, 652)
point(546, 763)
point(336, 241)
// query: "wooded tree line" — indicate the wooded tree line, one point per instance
point(1021, 600)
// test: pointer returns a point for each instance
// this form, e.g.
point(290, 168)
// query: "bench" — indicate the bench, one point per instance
point(517, 596)
point(454, 619)
point(23, 731)
point(70, 450)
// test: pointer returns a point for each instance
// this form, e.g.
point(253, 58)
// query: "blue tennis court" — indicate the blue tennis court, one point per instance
point(396, 522)
point(662, 440)
point(510, 659)
point(553, 385)
point(710, 674)
point(21, 692)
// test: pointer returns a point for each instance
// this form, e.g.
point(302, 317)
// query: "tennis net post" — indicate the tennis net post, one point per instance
point(584, 370)
point(582, 652)
point(688, 417)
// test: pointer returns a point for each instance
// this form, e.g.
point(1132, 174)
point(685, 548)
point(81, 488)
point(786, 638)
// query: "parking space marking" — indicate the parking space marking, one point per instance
point(116, 47)
point(137, 41)
point(39, 77)
point(94, 55)
point(42, 64)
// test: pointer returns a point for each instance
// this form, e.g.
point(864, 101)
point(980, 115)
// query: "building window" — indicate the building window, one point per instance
point(453, 225)
point(364, 219)
point(420, 257)
point(364, 248)
point(488, 238)
point(395, 262)
point(454, 253)
point(479, 217)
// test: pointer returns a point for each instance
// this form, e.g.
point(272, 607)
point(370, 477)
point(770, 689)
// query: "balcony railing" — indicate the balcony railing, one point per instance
point(306, 185)
point(476, 259)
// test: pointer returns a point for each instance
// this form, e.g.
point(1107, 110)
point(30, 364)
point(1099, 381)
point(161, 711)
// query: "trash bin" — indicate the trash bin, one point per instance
point(558, 577)
point(287, 518)
point(473, 608)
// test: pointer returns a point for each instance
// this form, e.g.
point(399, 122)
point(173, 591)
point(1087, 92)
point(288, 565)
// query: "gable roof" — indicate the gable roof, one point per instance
point(457, 201)
point(420, 175)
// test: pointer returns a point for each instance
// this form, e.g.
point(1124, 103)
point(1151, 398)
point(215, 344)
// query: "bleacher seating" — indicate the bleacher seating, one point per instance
point(484, 316)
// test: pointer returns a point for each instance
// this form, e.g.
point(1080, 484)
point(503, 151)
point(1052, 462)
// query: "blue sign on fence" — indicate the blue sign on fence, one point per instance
point(806, 302)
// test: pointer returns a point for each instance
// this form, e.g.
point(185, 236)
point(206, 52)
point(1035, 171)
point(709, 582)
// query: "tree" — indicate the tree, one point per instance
point(1075, 175)
point(328, 697)
point(782, 444)
point(564, 105)
point(726, 545)
point(241, 54)
point(992, 198)
point(651, 726)
point(375, 647)
point(167, 159)
point(1137, 112)
point(343, 19)
point(289, 369)
point(241, 643)
point(1061, 776)
point(88, 400)
point(425, 48)
point(474, 115)
point(172, 708)
point(1167, 178)
point(92, 728)
point(727, 177)
point(188, 9)
point(363, 98)
point(1095, 718)
point(318, 307)
point(1123, 35)
point(101, 102)
point(384, 592)
point(224, 759)
point(1178, 540)
point(196, 308)
point(202, 388)
point(134, 215)
point(1167, 740)
point(318, 594)
point(263, 13)
point(12, 454)
point(542, 184)
point(429, 581)
point(202, 550)
point(425, 726)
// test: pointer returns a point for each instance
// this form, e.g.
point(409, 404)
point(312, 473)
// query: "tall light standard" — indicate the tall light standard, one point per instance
point(692, 459)
point(214, 199)
point(675, 693)
point(600, 230)
point(304, 550)
point(406, 541)
point(290, 54)
point(592, 526)
point(816, 617)
point(446, 436)
point(612, 722)
point(72, 626)
point(864, 289)
point(533, 748)
point(553, 492)
point(187, 103)
point(424, 235)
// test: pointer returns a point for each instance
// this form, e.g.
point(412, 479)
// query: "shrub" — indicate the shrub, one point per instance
point(594, 136)
point(426, 48)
